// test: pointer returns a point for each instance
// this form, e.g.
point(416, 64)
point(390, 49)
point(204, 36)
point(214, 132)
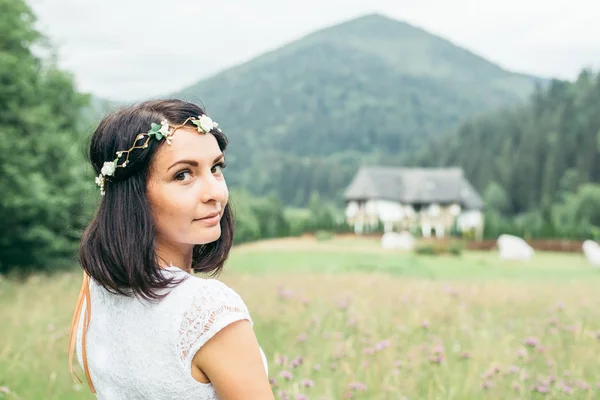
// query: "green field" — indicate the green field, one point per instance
point(350, 320)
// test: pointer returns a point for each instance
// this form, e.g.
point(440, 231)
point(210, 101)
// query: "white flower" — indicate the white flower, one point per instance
point(108, 169)
point(206, 123)
point(100, 183)
point(164, 129)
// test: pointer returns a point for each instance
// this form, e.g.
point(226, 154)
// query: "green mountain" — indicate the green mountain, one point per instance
point(303, 118)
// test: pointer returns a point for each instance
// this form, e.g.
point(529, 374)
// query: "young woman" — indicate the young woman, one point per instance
point(144, 326)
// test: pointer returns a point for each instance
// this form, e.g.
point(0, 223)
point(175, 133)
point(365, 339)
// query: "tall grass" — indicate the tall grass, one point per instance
point(343, 319)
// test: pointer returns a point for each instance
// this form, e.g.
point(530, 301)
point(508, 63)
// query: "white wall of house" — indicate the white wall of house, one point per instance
point(471, 219)
point(351, 209)
point(390, 213)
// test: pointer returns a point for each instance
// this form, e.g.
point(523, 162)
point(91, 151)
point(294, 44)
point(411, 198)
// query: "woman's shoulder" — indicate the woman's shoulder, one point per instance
point(207, 291)
point(207, 306)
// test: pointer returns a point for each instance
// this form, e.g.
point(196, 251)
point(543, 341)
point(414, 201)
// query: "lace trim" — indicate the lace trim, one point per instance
point(205, 317)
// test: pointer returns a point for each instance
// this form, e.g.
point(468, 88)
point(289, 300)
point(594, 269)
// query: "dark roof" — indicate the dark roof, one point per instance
point(414, 185)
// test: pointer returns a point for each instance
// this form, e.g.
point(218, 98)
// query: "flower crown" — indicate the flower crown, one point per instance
point(203, 123)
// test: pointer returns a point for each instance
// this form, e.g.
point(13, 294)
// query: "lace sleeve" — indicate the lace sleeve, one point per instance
point(213, 307)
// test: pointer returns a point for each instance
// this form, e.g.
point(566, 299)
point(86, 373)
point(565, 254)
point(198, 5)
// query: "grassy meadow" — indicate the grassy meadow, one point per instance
point(344, 319)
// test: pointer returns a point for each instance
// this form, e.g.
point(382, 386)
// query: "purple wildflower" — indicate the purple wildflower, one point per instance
point(436, 359)
point(307, 383)
point(531, 341)
point(357, 386)
point(285, 294)
point(301, 338)
point(584, 386)
point(344, 303)
point(382, 345)
point(539, 348)
point(287, 375)
point(487, 375)
point(339, 354)
point(566, 388)
point(297, 362)
point(282, 395)
point(541, 388)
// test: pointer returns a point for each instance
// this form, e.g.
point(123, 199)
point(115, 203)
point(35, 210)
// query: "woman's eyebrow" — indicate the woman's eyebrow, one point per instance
point(192, 162)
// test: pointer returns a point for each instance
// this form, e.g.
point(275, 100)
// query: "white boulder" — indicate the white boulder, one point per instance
point(591, 250)
point(398, 241)
point(514, 248)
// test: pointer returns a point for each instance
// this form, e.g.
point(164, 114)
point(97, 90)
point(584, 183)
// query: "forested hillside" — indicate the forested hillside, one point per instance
point(538, 160)
point(302, 118)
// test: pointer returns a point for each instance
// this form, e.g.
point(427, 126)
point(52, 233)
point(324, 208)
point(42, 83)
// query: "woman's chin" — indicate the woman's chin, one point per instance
point(209, 235)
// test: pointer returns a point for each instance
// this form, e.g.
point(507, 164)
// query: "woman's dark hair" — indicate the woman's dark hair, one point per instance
point(117, 249)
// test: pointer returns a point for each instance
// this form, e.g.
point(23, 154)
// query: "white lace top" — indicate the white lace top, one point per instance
point(143, 350)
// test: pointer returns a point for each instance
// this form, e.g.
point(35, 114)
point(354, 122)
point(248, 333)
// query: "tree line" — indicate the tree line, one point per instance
point(538, 165)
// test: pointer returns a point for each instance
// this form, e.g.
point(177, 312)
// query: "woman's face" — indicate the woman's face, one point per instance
point(187, 189)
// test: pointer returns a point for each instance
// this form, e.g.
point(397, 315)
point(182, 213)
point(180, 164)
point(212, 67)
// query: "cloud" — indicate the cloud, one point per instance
point(130, 49)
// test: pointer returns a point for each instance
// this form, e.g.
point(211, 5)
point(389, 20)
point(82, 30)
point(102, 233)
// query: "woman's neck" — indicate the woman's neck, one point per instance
point(177, 256)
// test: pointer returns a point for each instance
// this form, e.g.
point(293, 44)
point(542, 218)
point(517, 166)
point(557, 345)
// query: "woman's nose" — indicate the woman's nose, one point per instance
point(214, 190)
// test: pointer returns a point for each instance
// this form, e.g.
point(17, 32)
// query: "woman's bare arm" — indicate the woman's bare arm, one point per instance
point(232, 362)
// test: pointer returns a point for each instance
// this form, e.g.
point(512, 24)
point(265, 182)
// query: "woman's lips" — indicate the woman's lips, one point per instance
point(210, 220)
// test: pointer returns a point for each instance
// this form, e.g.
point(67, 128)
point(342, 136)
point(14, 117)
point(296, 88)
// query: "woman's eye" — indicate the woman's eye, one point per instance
point(218, 169)
point(182, 176)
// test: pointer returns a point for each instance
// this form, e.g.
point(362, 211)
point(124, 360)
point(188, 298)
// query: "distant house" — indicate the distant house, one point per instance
point(430, 200)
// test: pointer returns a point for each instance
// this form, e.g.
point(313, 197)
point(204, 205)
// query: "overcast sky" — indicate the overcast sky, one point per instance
point(130, 49)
